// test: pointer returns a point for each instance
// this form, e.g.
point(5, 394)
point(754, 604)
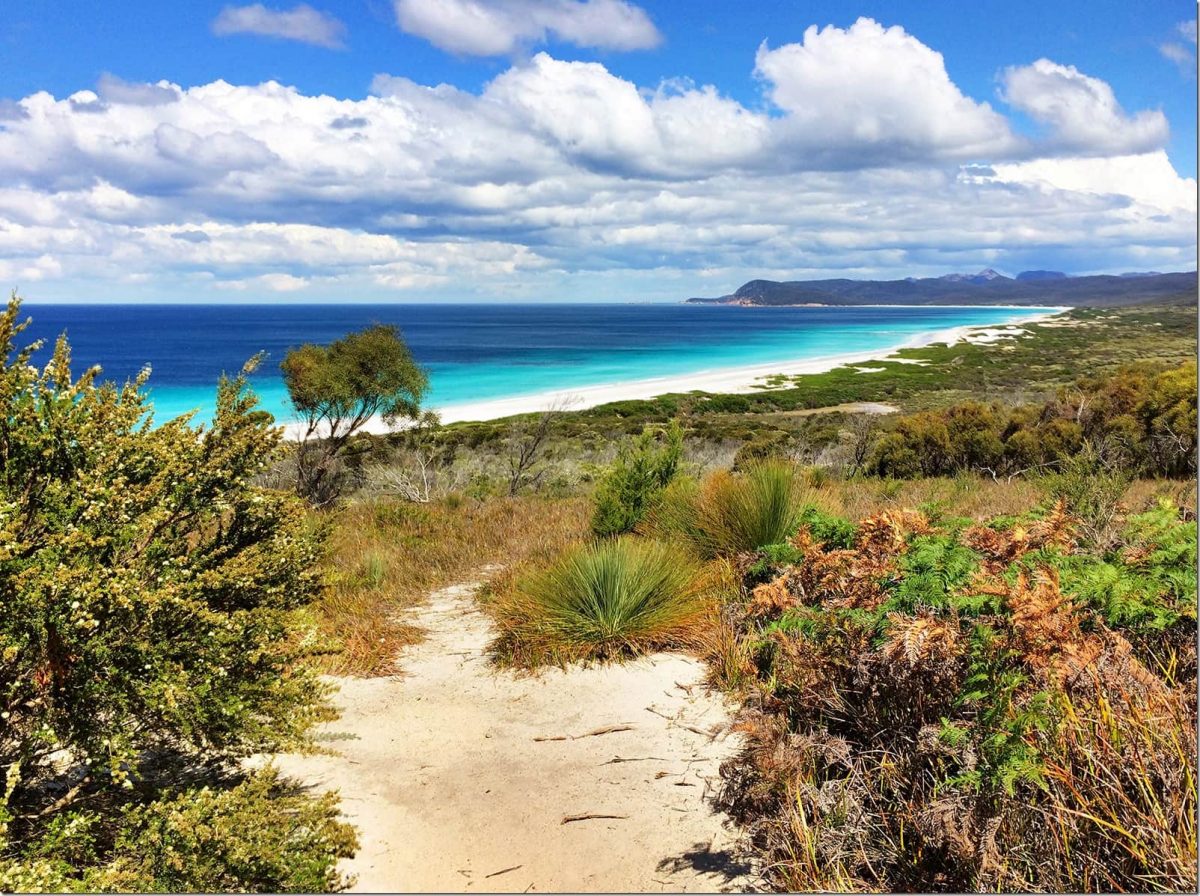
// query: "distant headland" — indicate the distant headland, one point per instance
point(985, 288)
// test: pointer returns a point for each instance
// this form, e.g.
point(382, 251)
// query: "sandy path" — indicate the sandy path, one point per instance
point(440, 770)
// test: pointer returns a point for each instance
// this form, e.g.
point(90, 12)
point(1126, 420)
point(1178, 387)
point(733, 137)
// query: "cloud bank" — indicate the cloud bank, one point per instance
point(559, 179)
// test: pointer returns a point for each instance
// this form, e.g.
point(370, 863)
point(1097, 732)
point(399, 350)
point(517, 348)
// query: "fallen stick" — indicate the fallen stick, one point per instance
point(617, 759)
point(504, 871)
point(609, 730)
point(567, 819)
point(711, 735)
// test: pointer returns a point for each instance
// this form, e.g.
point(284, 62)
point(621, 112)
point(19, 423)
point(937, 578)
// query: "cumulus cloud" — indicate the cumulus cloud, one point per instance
point(878, 89)
point(301, 23)
point(116, 90)
point(561, 178)
point(1082, 112)
point(501, 27)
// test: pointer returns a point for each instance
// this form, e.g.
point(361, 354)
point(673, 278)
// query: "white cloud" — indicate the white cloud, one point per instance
point(1179, 53)
point(879, 90)
point(501, 27)
point(561, 178)
point(1082, 112)
point(301, 23)
point(1148, 180)
point(115, 90)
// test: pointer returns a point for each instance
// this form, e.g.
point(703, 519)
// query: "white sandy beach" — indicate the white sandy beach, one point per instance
point(719, 380)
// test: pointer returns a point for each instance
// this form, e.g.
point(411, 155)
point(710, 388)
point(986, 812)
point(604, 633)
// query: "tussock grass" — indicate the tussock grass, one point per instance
point(599, 600)
point(728, 514)
point(386, 555)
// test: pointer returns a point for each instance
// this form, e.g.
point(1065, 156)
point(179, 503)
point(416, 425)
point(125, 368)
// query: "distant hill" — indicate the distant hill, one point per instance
point(985, 288)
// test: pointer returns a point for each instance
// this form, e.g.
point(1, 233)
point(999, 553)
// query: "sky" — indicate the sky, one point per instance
point(585, 150)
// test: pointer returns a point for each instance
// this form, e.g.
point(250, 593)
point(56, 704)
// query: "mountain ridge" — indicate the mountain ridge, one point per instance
point(985, 288)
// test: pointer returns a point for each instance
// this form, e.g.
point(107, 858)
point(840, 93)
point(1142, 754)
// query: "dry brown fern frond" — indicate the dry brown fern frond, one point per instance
point(888, 532)
point(916, 640)
point(772, 599)
point(1056, 529)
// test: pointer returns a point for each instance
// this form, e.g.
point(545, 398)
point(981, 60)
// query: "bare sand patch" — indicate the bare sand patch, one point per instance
point(464, 778)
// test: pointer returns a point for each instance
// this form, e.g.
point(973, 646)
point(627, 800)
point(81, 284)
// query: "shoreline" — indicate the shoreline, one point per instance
point(721, 380)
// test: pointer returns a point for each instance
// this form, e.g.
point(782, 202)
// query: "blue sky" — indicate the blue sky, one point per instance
point(588, 149)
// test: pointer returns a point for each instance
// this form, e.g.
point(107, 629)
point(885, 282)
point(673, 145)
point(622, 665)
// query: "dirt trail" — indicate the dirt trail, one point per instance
point(455, 777)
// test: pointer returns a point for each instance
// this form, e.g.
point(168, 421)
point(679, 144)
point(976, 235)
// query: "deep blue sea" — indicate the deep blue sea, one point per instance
point(475, 352)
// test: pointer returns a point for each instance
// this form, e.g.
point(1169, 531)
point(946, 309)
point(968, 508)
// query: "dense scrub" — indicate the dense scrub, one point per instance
point(937, 704)
point(1136, 421)
point(148, 641)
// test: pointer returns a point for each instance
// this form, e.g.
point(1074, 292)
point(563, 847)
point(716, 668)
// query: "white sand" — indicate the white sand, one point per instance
point(440, 770)
point(723, 380)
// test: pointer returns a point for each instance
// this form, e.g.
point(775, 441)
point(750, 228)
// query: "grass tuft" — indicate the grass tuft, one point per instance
point(601, 600)
point(729, 514)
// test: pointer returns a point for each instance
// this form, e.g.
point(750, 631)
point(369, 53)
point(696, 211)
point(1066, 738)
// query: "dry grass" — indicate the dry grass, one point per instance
point(973, 496)
point(386, 555)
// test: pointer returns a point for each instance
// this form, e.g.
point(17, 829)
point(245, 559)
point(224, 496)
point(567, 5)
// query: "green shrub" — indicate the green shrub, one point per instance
point(258, 835)
point(150, 591)
point(1092, 492)
point(618, 596)
point(1135, 422)
point(635, 481)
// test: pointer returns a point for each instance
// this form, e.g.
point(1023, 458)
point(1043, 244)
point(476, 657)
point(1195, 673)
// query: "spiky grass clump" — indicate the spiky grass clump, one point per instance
point(599, 600)
point(728, 514)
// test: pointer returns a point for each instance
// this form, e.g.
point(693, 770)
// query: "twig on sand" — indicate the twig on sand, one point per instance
point(504, 871)
point(617, 759)
point(567, 819)
point(608, 730)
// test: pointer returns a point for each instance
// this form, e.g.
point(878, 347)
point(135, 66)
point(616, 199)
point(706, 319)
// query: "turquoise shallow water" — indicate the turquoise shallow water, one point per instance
point(482, 352)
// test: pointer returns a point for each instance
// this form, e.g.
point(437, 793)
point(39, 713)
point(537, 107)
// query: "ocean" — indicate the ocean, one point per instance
point(476, 352)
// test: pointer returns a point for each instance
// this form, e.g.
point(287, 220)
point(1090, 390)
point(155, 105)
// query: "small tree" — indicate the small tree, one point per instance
point(643, 468)
point(526, 443)
point(337, 389)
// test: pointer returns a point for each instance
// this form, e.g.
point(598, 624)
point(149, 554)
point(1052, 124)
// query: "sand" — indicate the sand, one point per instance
point(725, 380)
point(442, 771)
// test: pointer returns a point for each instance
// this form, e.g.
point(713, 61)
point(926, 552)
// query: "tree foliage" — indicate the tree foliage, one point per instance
point(149, 590)
point(337, 389)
